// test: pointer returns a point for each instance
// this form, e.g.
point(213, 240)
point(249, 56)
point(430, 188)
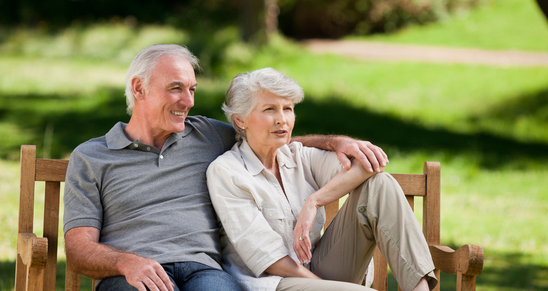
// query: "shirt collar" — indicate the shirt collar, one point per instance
point(254, 165)
point(117, 139)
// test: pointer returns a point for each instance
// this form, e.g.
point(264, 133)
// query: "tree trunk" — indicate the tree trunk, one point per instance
point(259, 19)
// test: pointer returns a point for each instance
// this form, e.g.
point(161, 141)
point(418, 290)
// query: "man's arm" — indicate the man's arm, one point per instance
point(95, 260)
point(368, 154)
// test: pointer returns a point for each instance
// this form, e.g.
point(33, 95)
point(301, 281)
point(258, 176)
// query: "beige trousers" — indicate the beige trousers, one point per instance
point(376, 213)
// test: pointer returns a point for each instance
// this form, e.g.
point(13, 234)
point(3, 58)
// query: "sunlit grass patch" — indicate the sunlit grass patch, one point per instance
point(72, 76)
point(497, 25)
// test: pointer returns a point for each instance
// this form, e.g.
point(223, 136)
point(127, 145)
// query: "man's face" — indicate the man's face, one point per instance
point(169, 95)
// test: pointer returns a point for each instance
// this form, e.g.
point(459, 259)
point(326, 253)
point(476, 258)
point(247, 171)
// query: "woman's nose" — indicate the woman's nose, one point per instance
point(281, 118)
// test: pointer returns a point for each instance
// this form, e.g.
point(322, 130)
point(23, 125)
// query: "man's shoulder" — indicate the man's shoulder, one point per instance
point(92, 145)
point(202, 122)
point(217, 131)
point(101, 144)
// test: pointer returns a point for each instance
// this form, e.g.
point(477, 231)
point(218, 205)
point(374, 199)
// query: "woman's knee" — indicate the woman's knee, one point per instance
point(380, 189)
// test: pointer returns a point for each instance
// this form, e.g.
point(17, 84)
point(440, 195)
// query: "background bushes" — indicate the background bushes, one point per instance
point(297, 18)
point(336, 18)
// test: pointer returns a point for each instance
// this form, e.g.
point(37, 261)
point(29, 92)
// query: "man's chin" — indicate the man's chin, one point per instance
point(177, 128)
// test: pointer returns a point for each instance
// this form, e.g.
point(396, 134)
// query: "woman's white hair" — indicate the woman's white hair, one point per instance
point(244, 88)
point(145, 61)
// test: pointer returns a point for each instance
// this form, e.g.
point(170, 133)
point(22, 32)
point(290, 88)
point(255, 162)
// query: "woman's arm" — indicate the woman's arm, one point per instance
point(287, 267)
point(341, 184)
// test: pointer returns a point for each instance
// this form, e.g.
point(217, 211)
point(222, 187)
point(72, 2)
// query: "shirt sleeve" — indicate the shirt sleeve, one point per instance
point(256, 242)
point(82, 199)
point(323, 165)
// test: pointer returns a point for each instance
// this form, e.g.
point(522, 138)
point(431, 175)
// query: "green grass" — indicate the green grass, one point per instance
point(486, 125)
point(498, 25)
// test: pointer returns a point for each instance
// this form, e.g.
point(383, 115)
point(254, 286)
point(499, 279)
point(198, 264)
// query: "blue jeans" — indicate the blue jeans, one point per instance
point(187, 276)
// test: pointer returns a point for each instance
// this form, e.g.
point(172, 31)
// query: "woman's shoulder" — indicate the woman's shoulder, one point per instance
point(228, 159)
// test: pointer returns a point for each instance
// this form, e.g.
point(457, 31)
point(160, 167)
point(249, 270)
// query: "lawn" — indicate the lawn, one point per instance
point(498, 25)
point(485, 124)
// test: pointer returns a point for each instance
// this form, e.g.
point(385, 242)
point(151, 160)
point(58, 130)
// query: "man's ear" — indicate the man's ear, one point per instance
point(137, 87)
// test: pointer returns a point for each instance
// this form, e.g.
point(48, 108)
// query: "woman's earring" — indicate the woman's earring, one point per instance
point(243, 127)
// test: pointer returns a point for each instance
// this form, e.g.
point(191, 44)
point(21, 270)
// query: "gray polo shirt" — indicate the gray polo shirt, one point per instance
point(153, 202)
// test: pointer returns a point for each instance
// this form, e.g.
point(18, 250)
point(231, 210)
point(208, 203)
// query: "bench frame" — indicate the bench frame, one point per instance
point(36, 265)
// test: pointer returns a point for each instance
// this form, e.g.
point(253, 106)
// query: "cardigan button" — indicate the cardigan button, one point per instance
point(361, 209)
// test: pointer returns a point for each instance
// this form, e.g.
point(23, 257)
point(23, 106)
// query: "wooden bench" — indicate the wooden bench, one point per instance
point(36, 266)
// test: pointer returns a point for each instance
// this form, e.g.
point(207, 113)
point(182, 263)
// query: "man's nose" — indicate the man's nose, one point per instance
point(187, 98)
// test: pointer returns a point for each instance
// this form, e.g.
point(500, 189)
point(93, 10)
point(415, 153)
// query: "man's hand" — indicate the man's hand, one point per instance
point(369, 155)
point(143, 273)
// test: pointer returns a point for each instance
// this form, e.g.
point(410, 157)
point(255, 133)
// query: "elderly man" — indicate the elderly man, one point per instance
point(137, 209)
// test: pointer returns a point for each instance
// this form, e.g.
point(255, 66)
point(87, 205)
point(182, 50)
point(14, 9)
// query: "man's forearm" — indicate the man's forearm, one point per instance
point(95, 260)
point(92, 259)
point(324, 142)
point(369, 155)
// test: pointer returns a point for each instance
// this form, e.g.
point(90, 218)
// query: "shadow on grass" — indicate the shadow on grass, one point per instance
point(533, 105)
point(70, 121)
point(59, 123)
point(338, 117)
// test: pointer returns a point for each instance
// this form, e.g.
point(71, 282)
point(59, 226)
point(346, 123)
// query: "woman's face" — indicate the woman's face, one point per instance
point(270, 123)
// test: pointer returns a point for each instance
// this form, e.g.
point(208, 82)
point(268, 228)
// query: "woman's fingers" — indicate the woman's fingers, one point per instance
point(302, 248)
point(301, 233)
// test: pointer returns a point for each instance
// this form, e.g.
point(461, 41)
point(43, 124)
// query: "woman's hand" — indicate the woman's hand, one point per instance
point(301, 233)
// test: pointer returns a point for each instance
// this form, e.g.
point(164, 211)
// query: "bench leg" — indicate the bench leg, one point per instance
point(35, 279)
point(466, 282)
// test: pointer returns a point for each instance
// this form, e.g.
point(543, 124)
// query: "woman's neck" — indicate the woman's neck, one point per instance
point(268, 157)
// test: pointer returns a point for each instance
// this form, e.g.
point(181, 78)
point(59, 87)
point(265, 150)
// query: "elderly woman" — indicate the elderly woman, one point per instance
point(268, 193)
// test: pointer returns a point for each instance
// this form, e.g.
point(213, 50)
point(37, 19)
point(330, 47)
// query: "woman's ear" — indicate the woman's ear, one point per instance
point(239, 122)
point(137, 88)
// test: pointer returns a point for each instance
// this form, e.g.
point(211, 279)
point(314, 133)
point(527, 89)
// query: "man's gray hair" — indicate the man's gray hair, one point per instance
point(145, 61)
point(242, 93)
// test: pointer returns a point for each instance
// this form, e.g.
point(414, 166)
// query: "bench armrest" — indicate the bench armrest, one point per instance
point(467, 260)
point(32, 250)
